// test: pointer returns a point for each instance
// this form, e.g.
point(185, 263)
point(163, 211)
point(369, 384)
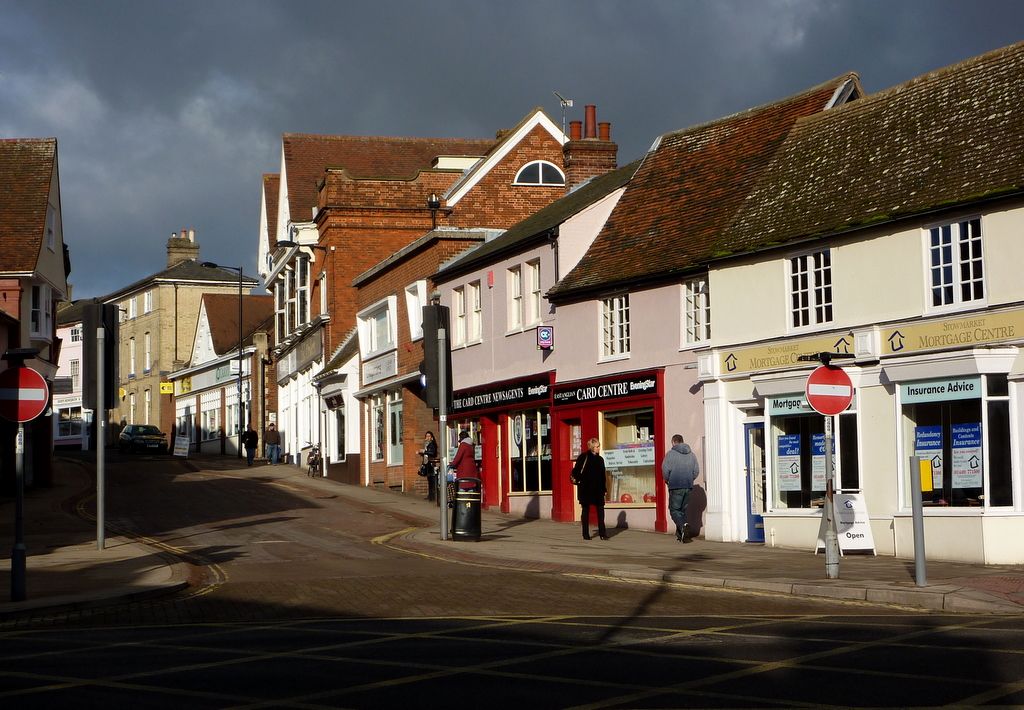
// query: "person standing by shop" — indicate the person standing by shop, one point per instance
point(273, 441)
point(250, 440)
point(591, 488)
point(464, 461)
point(429, 454)
point(680, 470)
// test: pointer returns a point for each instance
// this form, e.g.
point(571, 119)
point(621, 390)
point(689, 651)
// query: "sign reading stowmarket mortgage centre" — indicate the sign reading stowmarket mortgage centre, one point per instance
point(629, 386)
point(501, 394)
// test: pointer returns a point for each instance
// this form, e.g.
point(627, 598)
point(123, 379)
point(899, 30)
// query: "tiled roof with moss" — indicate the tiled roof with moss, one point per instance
point(948, 138)
point(686, 192)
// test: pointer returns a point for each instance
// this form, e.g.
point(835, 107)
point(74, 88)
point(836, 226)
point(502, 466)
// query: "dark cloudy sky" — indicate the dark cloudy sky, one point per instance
point(167, 113)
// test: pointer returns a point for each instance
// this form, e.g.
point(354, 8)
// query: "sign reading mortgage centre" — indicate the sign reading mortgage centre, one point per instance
point(979, 329)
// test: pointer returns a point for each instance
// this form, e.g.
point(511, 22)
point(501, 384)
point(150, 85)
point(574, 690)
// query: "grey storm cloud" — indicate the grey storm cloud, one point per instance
point(168, 113)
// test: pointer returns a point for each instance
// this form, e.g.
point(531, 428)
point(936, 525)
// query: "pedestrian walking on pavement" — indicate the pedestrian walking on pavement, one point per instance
point(429, 454)
point(250, 440)
point(679, 469)
point(591, 488)
point(273, 441)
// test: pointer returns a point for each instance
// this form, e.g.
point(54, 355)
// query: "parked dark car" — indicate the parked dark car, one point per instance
point(142, 437)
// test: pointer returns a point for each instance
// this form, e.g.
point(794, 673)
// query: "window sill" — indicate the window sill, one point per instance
point(955, 308)
point(470, 344)
point(614, 358)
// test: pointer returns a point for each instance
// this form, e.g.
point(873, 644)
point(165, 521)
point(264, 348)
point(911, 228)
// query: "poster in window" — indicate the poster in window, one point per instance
point(966, 440)
point(817, 462)
point(928, 445)
point(789, 462)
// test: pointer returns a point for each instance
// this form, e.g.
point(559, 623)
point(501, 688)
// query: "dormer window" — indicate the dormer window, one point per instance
point(540, 172)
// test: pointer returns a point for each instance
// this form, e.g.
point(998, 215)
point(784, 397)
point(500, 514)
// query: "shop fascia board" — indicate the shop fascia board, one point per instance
point(978, 361)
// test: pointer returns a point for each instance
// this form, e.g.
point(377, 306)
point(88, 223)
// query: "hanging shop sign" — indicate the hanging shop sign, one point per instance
point(628, 386)
point(502, 394)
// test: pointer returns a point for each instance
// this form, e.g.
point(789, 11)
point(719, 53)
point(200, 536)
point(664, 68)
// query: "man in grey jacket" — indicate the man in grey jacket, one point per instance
point(680, 470)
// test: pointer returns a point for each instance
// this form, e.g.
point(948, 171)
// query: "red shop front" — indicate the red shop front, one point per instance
point(510, 424)
point(625, 413)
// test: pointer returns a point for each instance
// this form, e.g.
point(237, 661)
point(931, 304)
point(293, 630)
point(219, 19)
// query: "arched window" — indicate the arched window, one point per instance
point(539, 172)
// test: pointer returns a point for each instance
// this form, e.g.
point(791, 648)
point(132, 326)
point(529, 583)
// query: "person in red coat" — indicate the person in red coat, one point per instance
point(463, 462)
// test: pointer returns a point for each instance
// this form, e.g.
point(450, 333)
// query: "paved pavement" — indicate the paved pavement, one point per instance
point(66, 569)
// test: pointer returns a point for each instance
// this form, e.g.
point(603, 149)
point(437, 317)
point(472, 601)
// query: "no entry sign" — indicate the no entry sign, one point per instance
point(24, 394)
point(829, 390)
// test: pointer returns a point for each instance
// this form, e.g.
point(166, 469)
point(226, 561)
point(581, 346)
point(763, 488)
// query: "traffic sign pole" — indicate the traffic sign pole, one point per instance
point(101, 439)
point(19, 553)
point(829, 391)
point(24, 395)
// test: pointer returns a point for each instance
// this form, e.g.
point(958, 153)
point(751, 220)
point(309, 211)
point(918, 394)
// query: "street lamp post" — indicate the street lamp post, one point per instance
point(241, 407)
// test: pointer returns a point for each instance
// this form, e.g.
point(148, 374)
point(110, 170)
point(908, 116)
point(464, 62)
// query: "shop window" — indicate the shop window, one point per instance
point(811, 289)
point(377, 428)
point(964, 432)
point(395, 428)
point(798, 454)
point(955, 263)
point(70, 423)
point(627, 445)
point(615, 326)
point(529, 449)
point(233, 418)
point(339, 427)
point(696, 311)
point(210, 427)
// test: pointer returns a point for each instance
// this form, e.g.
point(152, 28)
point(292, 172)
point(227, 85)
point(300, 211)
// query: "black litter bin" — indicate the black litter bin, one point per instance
point(466, 511)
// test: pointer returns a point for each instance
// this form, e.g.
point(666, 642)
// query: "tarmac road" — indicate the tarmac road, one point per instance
point(303, 596)
point(263, 545)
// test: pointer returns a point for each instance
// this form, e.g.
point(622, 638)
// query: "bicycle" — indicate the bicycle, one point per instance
point(314, 462)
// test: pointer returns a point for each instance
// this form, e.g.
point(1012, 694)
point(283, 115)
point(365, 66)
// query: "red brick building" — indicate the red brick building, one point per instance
point(343, 205)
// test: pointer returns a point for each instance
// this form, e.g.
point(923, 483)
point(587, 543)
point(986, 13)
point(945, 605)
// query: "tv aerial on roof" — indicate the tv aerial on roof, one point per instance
point(566, 103)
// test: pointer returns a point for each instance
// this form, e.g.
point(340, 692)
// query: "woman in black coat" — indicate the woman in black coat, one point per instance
point(429, 454)
point(588, 475)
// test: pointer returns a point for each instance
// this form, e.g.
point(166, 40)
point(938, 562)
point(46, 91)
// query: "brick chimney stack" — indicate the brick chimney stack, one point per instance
point(590, 151)
point(182, 247)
